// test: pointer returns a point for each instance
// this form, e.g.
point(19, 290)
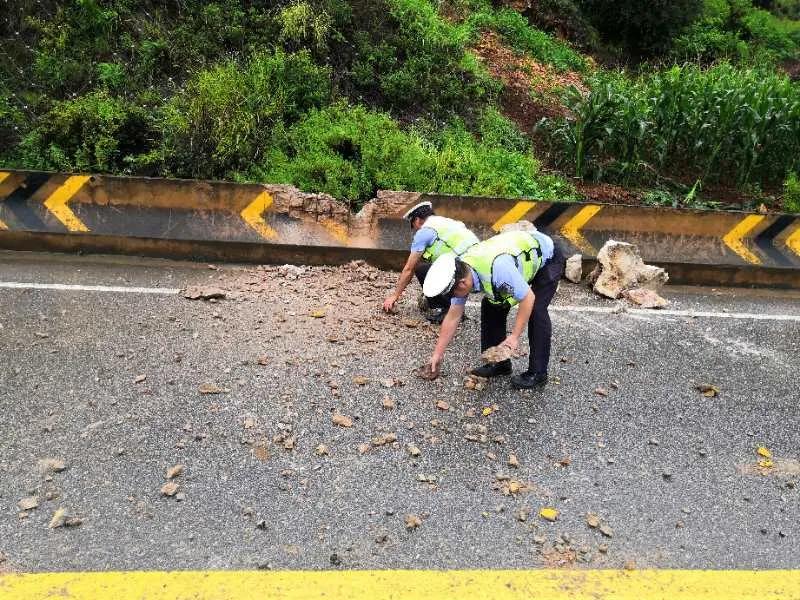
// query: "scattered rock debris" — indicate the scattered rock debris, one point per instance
point(709, 391)
point(211, 388)
point(497, 354)
point(549, 514)
point(174, 472)
point(169, 489)
point(645, 298)
point(574, 268)
point(412, 522)
point(47, 466)
point(425, 372)
point(62, 518)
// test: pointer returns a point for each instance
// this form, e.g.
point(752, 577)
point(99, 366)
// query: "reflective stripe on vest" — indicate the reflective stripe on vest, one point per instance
point(451, 236)
point(519, 244)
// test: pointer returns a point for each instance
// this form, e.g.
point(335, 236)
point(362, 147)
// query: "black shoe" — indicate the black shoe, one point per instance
point(493, 369)
point(528, 380)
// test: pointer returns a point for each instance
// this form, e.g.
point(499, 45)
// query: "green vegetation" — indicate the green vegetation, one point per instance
point(720, 124)
point(350, 96)
point(791, 194)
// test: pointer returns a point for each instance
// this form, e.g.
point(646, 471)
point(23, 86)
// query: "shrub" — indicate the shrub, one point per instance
point(96, 132)
point(229, 114)
point(642, 28)
point(791, 194)
point(351, 152)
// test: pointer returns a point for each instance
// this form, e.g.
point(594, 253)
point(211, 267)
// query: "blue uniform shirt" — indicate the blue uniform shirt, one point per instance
point(424, 237)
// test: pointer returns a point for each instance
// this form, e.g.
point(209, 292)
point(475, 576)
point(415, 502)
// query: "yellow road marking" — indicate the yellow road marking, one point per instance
point(733, 239)
point(417, 585)
point(519, 210)
point(3, 177)
point(56, 203)
point(337, 230)
point(571, 229)
point(252, 215)
point(793, 241)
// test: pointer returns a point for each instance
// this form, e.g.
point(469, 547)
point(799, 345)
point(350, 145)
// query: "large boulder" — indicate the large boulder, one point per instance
point(620, 268)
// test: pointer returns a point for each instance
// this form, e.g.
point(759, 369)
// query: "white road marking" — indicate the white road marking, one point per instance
point(87, 288)
point(662, 312)
point(633, 312)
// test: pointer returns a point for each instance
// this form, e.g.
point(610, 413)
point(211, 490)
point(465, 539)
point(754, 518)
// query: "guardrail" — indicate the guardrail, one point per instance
point(273, 223)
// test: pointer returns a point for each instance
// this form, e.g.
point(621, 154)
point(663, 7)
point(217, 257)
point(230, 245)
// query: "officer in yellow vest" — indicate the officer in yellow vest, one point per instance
point(517, 267)
point(434, 236)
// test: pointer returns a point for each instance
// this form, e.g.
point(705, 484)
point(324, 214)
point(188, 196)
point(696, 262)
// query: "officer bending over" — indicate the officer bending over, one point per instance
point(433, 237)
point(518, 267)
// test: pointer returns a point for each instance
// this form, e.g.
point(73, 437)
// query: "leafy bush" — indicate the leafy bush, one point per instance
point(350, 152)
point(719, 124)
point(228, 116)
point(96, 132)
point(791, 194)
point(642, 28)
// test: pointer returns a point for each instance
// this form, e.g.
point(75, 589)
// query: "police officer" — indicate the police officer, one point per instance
point(434, 236)
point(517, 267)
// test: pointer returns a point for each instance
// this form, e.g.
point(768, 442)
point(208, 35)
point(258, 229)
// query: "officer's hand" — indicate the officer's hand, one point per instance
point(436, 363)
point(512, 342)
point(388, 304)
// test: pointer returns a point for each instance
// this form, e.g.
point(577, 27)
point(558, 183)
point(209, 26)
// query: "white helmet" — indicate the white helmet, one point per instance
point(413, 209)
point(441, 276)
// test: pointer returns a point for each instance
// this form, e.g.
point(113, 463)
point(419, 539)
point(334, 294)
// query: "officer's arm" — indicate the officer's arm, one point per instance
point(446, 333)
point(405, 278)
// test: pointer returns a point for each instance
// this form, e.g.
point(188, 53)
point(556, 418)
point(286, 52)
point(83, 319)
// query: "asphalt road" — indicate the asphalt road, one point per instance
point(109, 382)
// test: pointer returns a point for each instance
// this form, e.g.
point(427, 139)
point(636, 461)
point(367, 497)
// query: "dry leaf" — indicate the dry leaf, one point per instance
point(425, 372)
point(140, 378)
point(210, 388)
point(550, 514)
point(513, 461)
point(342, 420)
point(411, 323)
point(388, 382)
point(442, 405)
point(169, 489)
point(412, 521)
point(174, 471)
point(318, 314)
point(766, 463)
point(487, 411)
point(765, 452)
point(601, 391)
point(59, 518)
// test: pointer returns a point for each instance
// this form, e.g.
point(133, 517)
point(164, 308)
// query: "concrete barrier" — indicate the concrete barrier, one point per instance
point(275, 223)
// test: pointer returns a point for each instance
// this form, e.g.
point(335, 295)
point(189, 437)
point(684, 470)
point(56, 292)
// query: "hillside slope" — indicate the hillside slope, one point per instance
point(462, 97)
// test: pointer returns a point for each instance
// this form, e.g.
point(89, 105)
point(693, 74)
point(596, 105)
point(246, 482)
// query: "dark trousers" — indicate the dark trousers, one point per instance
point(421, 271)
point(540, 330)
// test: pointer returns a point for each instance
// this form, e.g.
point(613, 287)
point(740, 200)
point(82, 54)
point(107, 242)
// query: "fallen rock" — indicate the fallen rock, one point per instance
point(518, 226)
point(173, 472)
point(342, 420)
point(388, 403)
point(497, 354)
point(593, 520)
point(197, 292)
point(645, 298)
point(574, 269)
point(382, 440)
point(51, 465)
point(425, 372)
point(28, 503)
point(620, 267)
point(169, 489)
point(412, 522)
point(210, 388)
point(412, 450)
point(322, 450)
